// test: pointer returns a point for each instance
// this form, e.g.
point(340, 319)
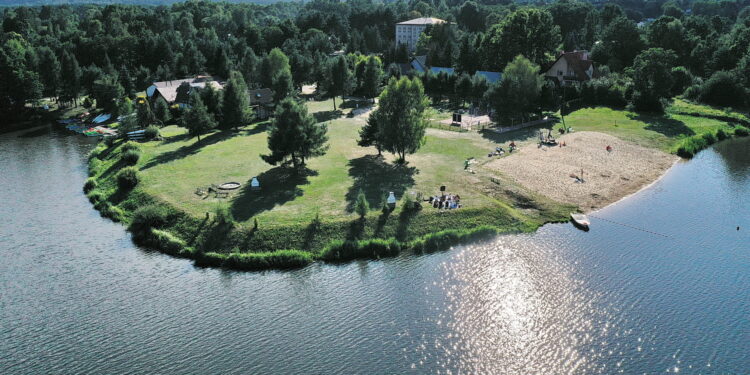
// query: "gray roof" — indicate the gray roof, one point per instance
point(422, 21)
point(168, 89)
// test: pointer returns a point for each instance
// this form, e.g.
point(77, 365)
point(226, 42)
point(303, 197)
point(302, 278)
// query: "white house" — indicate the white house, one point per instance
point(571, 67)
point(408, 32)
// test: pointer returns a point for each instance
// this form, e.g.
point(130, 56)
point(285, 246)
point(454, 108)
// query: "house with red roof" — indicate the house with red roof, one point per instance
point(571, 68)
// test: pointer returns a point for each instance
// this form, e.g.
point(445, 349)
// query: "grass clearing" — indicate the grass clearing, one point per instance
point(309, 210)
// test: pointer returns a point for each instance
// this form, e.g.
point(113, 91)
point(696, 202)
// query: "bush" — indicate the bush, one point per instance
point(741, 131)
point(128, 146)
point(95, 197)
point(710, 138)
point(721, 135)
point(131, 157)
point(723, 89)
point(280, 259)
point(109, 211)
point(223, 215)
point(128, 178)
point(151, 132)
point(373, 248)
point(94, 166)
point(165, 241)
point(692, 145)
point(149, 217)
point(443, 240)
point(96, 151)
point(89, 185)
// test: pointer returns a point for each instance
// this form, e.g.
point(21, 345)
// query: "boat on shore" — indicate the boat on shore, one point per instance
point(580, 220)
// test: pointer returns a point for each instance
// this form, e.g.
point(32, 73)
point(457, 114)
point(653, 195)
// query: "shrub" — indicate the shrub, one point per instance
point(721, 135)
point(109, 211)
point(131, 157)
point(148, 217)
point(128, 178)
point(741, 131)
point(445, 239)
point(151, 132)
point(691, 145)
point(361, 206)
point(89, 185)
point(166, 242)
point(96, 151)
point(128, 146)
point(723, 89)
point(280, 259)
point(95, 197)
point(373, 248)
point(710, 138)
point(94, 166)
point(223, 215)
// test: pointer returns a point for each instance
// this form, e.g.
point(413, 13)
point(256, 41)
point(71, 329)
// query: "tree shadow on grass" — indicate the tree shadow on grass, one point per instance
point(278, 186)
point(324, 116)
point(517, 135)
point(188, 150)
point(257, 129)
point(663, 125)
point(376, 178)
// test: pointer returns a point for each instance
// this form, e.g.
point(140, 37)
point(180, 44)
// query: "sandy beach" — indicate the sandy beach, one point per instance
point(607, 176)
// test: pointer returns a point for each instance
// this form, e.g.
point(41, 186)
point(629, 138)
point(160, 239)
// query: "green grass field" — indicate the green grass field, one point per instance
point(308, 210)
point(681, 120)
point(289, 202)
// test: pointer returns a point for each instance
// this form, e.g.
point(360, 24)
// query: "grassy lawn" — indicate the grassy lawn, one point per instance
point(307, 210)
point(172, 170)
point(682, 119)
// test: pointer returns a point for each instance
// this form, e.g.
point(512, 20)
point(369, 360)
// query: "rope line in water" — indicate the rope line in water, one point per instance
point(631, 227)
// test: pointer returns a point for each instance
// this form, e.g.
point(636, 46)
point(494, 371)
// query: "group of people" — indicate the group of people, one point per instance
point(446, 201)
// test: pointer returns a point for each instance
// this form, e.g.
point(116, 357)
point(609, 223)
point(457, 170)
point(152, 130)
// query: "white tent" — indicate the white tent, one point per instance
point(391, 198)
point(255, 184)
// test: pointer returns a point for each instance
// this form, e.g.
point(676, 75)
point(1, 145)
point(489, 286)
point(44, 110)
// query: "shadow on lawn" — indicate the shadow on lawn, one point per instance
point(190, 149)
point(375, 177)
point(324, 116)
point(517, 135)
point(279, 185)
point(660, 124)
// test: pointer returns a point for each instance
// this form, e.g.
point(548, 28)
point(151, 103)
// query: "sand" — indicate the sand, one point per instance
point(608, 176)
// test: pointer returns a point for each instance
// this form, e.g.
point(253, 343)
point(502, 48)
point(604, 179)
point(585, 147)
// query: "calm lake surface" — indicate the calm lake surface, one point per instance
point(77, 297)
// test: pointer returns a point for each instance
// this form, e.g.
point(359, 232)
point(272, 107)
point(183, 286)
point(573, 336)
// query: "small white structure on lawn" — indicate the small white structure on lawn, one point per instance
point(255, 184)
point(391, 198)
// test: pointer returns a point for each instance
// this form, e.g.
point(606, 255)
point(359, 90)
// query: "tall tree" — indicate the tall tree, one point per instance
point(371, 77)
point(196, 119)
point(399, 119)
point(517, 94)
point(652, 78)
point(282, 85)
point(340, 79)
point(527, 31)
point(143, 113)
point(236, 109)
point(161, 110)
point(71, 77)
point(294, 135)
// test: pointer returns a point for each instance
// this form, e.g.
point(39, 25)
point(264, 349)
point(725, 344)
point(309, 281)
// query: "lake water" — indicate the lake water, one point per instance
point(77, 297)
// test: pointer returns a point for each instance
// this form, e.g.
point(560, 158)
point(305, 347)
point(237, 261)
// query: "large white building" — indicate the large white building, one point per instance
point(408, 32)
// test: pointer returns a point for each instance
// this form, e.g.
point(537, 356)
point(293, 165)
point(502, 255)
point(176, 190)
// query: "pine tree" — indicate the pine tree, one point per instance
point(236, 110)
point(294, 135)
point(161, 110)
point(196, 119)
point(361, 207)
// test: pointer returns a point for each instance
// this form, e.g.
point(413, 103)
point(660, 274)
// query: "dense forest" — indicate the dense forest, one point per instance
point(645, 51)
